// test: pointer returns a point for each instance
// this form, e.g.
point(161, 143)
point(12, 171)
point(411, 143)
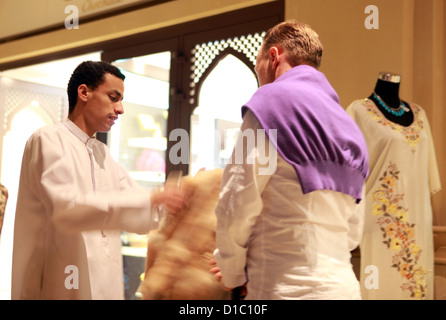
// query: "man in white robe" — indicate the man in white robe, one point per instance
point(289, 213)
point(74, 199)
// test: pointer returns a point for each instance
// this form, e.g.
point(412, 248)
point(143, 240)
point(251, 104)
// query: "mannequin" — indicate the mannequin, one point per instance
point(397, 235)
point(387, 94)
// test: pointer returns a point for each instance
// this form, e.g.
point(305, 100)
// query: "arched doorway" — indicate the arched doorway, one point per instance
point(216, 120)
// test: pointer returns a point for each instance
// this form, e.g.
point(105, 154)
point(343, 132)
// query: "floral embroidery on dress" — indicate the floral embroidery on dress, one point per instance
point(398, 234)
point(410, 133)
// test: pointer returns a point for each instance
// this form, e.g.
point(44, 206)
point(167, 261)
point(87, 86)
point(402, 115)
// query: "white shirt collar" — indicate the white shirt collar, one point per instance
point(78, 132)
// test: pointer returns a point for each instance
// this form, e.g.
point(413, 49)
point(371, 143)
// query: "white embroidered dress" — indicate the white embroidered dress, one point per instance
point(397, 259)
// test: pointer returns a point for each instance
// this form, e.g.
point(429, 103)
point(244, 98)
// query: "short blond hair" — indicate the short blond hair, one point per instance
point(299, 40)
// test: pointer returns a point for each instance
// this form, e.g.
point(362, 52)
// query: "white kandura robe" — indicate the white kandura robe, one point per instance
point(397, 258)
point(71, 189)
point(293, 245)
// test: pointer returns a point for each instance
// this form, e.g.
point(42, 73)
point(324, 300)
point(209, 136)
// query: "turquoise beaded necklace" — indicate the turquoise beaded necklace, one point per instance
point(396, 112)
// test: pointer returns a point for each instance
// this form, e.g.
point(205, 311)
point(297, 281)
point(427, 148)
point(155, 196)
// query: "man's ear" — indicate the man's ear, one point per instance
point(83, 92)
point(275, 56)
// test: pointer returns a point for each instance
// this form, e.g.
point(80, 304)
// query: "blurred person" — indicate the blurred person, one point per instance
point(74, 199)
point(288, 233)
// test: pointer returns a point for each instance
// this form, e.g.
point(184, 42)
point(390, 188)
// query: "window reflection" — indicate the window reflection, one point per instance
point(138, 141)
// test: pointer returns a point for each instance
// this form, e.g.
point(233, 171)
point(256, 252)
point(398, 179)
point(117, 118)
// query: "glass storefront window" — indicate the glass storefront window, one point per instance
point(138, 142)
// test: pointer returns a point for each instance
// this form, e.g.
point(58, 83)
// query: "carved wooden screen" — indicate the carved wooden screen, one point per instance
point(205, 57)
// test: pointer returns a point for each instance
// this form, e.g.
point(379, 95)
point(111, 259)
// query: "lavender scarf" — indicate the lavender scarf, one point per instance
point(314, 133)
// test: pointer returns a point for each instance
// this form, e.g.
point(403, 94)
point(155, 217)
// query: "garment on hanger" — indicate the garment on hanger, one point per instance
point(397, 259)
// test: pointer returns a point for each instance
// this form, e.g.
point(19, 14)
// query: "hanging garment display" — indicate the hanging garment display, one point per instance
point(397, 259)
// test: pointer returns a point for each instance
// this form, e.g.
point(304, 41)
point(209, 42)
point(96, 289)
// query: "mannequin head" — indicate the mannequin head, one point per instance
point(387, 88)
point(389, 77)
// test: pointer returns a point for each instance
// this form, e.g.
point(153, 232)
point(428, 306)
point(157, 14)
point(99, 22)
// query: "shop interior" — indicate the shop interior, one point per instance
point(33, 89)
